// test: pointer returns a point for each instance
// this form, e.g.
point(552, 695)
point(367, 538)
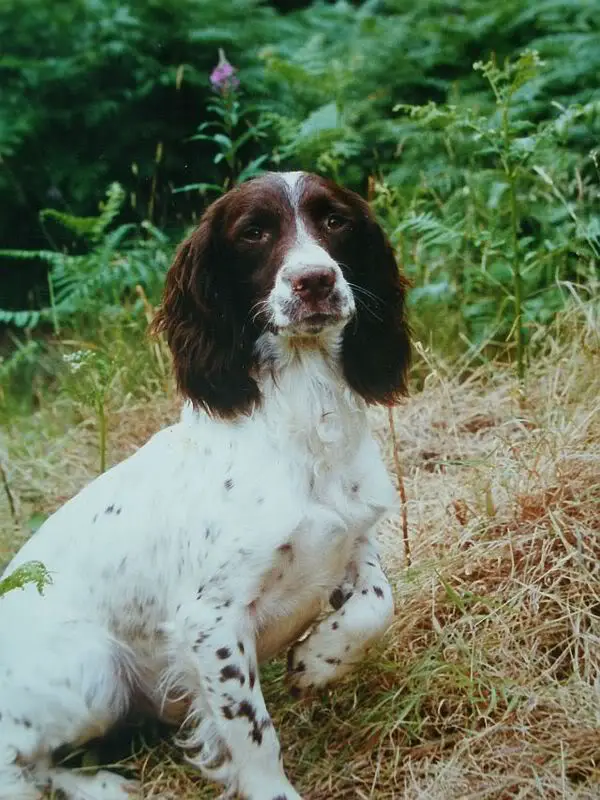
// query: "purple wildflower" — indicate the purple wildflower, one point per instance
point(223, 77)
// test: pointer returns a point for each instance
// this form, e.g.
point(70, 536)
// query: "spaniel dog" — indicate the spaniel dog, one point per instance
point(229, 535)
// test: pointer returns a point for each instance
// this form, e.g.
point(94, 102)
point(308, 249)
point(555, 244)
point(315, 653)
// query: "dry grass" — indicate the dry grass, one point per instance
point(489, 683)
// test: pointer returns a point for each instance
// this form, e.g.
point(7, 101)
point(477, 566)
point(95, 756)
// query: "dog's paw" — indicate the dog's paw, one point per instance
point(259, 787)
point(316, 662)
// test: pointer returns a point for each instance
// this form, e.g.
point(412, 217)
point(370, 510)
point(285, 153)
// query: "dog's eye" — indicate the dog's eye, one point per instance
point(254, 233)
point(335, 222)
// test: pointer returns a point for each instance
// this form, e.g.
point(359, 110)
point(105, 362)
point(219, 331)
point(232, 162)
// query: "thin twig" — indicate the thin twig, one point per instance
point(149, 314)
point(12, 500)
point(401, 489)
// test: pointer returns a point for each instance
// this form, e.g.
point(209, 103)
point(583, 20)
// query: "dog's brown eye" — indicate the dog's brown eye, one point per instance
point(334, 222)
point(254, 234)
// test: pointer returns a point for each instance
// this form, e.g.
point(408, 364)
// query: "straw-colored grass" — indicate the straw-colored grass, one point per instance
point(488, 684)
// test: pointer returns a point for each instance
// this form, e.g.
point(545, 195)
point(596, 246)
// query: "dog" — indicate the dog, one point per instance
point(230, 534)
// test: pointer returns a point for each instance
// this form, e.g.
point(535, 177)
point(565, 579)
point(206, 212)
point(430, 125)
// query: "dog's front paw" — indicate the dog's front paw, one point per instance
point(257, 786)
point(317, 661)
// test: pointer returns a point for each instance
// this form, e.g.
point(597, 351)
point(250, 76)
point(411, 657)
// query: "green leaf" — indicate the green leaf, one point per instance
point(435, 292)
point(31, 572)
point(223, 140)
point(199, 187)
point(322, 119)
point(252, 169)
point(35, 521)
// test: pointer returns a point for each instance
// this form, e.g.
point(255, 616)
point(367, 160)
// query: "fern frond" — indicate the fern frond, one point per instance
point(115, 196)
point(431, 231)
point(31, 572)
point(81, 226)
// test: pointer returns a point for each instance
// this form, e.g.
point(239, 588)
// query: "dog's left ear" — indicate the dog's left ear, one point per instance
point(376, 349)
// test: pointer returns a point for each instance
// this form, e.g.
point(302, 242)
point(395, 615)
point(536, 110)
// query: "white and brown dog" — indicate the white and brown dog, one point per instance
point(219, 543)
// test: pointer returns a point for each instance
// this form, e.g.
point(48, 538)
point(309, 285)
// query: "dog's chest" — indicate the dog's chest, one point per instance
point(313, 559)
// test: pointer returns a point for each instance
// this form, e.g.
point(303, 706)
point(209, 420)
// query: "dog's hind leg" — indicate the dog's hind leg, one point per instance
point(14, 783)
point(70, 687)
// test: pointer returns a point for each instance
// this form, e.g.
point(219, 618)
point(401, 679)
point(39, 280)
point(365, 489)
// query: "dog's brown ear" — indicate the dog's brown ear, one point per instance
point(376, 349)
point(204, 327)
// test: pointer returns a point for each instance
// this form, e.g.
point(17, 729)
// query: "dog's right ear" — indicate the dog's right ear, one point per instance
point(211, 347)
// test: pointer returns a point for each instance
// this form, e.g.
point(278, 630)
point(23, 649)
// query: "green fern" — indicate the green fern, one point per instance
point(31, 572)
point(498, 216)
point(116, 262)
point(431, 230)
point(92, 228)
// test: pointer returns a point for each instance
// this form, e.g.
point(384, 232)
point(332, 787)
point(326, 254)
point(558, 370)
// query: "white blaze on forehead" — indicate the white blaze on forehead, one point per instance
point(292, 181)
point(306, 250)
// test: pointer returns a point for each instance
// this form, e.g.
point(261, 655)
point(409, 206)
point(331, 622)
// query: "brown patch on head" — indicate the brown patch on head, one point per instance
point(220, 274)
point(376, 351)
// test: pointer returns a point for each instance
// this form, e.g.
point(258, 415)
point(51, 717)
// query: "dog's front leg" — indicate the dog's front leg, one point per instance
point(364, 610)
point(229, 727)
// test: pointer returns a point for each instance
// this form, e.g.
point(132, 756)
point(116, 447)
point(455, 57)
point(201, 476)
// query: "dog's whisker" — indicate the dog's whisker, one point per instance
point(366, 292)
point(257, 309)
point(362, 304)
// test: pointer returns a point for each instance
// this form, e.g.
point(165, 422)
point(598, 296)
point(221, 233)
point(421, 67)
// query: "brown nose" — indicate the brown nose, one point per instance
point(315, 285)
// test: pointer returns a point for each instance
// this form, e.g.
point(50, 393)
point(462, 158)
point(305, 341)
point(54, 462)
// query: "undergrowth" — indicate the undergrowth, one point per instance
point(497, 231)
point(487, 685)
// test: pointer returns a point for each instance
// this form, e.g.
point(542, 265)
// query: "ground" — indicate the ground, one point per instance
point(488, 683)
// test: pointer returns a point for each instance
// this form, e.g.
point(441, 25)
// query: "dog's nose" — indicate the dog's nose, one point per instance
point(316, 284)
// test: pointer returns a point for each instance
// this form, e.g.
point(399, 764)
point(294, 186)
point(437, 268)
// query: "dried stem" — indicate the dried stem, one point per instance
point(12, 500)
point(401, 489)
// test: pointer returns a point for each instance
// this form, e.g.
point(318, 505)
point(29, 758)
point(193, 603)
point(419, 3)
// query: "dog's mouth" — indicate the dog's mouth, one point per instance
point(317, 321)
point(310, 319)
point(311, 323)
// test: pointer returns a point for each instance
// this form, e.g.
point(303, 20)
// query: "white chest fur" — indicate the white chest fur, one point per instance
point(331, 476)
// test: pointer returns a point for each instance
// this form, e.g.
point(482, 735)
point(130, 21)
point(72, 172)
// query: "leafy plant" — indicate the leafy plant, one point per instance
point(115, 102)
point(92, 375)
point(31, 572)
point(513, 225)
point(230, 131)
point(115, 261)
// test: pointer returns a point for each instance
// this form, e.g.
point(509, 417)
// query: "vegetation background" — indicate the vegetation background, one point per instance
point(486, 178)
point(473, 129)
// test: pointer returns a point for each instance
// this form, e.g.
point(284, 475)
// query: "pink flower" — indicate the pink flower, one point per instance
point(223, 77)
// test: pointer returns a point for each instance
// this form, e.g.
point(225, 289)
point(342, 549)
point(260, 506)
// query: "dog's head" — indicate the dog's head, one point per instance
point(296, 255)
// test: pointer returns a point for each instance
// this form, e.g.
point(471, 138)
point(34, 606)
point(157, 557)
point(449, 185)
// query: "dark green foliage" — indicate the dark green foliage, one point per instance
point(487, 180)
point(102, 91)
point(91, 89)
point(361, 62)
point(100, 280)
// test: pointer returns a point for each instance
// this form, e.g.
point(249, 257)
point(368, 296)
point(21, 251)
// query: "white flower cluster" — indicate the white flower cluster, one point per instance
point(77, 359)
